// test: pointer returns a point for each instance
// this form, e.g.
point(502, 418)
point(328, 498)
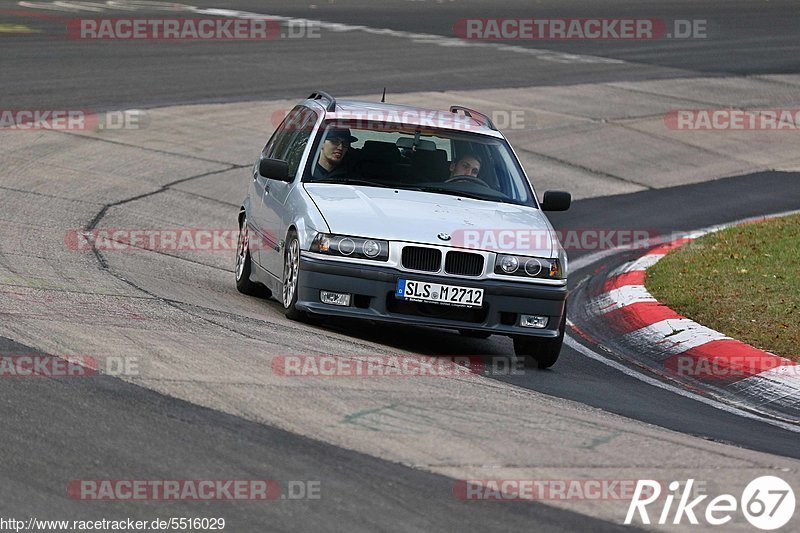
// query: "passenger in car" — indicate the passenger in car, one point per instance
point(334, 148)
point(466, 165)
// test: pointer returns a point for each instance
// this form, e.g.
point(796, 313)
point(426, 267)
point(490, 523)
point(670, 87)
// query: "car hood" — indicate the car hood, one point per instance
point(415, 216)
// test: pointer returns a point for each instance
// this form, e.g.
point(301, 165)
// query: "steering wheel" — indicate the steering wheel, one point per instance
point(466, 178)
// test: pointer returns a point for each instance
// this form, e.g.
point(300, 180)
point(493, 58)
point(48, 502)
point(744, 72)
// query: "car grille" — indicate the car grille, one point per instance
point(463, 264)
point(425, 259)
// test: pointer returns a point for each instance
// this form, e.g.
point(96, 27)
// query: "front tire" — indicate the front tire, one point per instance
point(539, 352)
point(291, 276)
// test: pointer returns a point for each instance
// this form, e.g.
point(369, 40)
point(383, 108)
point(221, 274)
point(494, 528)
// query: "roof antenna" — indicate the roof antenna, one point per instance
point(383, 98)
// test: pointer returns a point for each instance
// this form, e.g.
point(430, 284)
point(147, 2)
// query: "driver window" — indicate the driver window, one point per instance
point(278, 145)
point(300, 140)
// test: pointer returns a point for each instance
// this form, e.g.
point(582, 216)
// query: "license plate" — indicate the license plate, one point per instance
point(420, 291)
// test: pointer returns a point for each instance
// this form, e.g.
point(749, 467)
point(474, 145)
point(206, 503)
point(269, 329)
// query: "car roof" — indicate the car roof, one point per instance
point(403, 114)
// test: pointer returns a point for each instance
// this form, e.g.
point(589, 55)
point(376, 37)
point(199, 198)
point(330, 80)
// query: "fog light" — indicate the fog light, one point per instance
point(533, 321)
point(334, 298)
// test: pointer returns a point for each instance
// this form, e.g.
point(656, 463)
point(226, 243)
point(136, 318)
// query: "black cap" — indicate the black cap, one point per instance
point(340, 133)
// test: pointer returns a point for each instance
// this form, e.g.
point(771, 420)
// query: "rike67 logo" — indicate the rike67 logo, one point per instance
point(767, 502)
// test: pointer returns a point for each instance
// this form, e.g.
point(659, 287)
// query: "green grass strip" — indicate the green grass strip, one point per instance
point(743, 281)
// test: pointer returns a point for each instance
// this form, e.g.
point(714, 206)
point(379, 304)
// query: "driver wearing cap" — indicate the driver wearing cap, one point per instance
point(334, 148)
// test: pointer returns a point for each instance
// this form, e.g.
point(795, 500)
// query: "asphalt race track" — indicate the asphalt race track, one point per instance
point(204, 403)
point(756, 39)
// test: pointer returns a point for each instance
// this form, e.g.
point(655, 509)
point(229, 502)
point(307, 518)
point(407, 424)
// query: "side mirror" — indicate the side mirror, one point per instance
point(274, 169)
point(556, 201)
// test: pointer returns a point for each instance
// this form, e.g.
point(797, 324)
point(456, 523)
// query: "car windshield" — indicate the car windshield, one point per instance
point(430, 160)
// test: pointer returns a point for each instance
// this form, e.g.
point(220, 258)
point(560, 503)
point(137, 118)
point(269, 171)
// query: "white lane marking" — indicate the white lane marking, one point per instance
point(575, 345)
point(778, 386)
point(420, 38)
point(95, 7)
point(114, 5)
point(46, 5)
point(673, 336)
point(148, 4)
point(423, 38)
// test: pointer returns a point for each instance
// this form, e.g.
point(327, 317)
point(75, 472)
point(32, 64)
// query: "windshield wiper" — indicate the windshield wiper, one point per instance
point(445, 190)
point(352, 181)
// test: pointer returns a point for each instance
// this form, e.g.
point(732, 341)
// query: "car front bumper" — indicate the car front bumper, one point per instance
point(373, 289)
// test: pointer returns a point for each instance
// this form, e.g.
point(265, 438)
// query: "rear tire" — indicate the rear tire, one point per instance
point(243, 265)
point(539, 352)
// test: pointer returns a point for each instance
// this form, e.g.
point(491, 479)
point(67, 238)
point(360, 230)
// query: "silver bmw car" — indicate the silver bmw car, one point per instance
point(402, 214)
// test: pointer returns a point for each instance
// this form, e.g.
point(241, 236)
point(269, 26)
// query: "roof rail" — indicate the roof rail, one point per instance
point(477, 115)
point(322, 94)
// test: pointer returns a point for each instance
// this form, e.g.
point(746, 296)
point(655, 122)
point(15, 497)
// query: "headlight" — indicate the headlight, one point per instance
point(355, 247)
point(508, 264)
point(528, 267)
